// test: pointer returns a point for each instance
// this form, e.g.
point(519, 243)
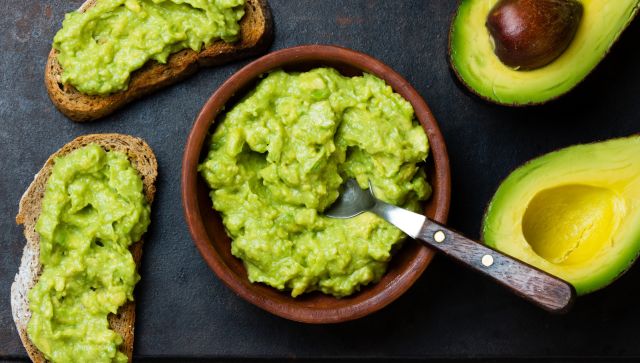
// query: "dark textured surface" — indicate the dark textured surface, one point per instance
point(184, 311)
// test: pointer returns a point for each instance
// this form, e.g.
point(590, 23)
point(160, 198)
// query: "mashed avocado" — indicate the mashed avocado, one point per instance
point(98, 49)
point(93, 209)
point(278, 158)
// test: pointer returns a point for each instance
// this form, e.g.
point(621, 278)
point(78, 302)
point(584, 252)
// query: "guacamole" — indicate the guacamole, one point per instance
point(92, 211)
point(99, 48)
point(277, 160)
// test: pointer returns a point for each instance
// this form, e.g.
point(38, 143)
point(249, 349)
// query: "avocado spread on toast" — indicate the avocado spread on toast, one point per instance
point(277, 160)
point(99, 48)
point(92, 211)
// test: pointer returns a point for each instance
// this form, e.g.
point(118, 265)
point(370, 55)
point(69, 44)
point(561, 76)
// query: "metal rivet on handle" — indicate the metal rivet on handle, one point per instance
point(439, 236)
point(487, 260)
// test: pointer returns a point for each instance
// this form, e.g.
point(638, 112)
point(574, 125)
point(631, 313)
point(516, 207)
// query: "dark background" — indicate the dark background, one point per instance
point(183, 309)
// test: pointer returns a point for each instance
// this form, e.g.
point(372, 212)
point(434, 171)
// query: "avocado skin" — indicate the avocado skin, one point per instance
point(614, 267)
point(519, 103)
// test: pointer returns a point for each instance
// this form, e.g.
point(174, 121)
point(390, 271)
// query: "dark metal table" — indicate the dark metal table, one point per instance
point(184, 311)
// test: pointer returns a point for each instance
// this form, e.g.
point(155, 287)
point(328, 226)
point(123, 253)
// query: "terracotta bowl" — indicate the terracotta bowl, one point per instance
point(209, 234)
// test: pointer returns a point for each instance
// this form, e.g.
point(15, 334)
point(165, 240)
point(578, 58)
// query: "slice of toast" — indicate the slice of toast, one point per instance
point(142, 159)
point(256, 35)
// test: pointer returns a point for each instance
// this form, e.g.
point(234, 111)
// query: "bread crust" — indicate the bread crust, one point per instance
point(142, 159)
point(256, 36)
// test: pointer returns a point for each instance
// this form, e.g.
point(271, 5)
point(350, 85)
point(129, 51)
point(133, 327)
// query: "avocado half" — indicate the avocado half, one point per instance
point(574, 213)
point(473, 59)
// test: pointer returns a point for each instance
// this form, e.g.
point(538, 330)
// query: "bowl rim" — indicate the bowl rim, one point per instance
point(441, 182)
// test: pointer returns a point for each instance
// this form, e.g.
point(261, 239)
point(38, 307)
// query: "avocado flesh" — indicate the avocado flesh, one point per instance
point(475, 63)
point(574, 213)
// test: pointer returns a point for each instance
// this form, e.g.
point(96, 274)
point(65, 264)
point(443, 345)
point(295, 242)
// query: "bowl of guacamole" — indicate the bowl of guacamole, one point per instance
point(267, 156)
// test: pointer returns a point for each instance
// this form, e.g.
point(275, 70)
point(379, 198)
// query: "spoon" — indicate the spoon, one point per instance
point(532, 284)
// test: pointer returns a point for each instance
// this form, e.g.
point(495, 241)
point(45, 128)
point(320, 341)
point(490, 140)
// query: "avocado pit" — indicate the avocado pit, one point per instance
point(529, 34)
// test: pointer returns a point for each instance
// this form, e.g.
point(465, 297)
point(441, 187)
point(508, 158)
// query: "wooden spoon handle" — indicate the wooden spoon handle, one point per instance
point(539, 287)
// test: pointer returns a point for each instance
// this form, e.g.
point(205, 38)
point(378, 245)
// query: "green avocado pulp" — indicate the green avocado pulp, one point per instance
point(574, 213)
point(277, 160)
point(99, 48)
point(474, 61)
point(92, 211)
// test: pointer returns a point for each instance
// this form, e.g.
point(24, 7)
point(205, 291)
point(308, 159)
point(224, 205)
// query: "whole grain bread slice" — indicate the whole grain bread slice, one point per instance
point(256, 35)
point(142, 159)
